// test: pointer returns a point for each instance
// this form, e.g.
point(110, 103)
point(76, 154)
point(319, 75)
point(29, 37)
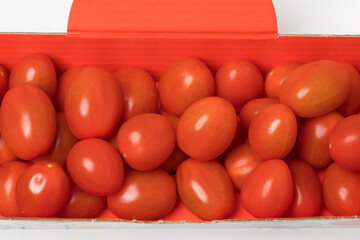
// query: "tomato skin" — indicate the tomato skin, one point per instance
point(42, 190)
point(184, 82)
point(268, 190)
point(144, 195)
point(307, 199)
point(275, 78)
point(238, 82)
point(205, 189)
point(139, 92)
point(272, 133)
point(207, 128)
point(36, 69)
point(313, 139)
point(341, 191)
point(93, 104)
point(28, 127)
point(9, 175)
point(316, 88)
point(96, 167)
point(63, 85)
point(6, 155)
point(239, 163)
point(4, 82)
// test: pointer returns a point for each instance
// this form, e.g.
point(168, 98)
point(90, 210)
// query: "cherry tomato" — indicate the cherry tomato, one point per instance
point(275, 78)
point(144, 195)
point(4, 84)
point(272, 133)
point(9, 175)
point(316, 88)
point(6, 155)
point(37, 69)
point(139, 92)
point(268, 190)
point(96, 167)
point(307, 198)
point(42, 190)
point(207, 128)
point(63, 85)
point(81, 204)
point(313, 139)
point(252, 108)
point(341, 189)
point(184, 82)
point(239, 163)
point(238, 82)
point(146, 141)
point(240, 212)
point(205, 189)
point(181, 213)
point(93, 104)
point(27, 121)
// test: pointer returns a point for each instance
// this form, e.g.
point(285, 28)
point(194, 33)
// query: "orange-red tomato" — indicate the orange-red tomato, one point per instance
point(272, 133)
point(62, 88)
point(313, 139)
point(207, 128)
point(139, 92)
point(144, 195)
point(268, 190)
point(205, 189)
point(27, 121)
point(184, 82)
point(6, 155)
point(93, 104)
point(238, 82)
point(275, 78)
point(4, 82)
point(316, 88)
point(36, 69)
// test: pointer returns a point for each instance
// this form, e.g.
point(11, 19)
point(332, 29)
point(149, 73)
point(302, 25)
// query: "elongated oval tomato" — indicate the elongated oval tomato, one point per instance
point(4, 82)
point(27, 121)
point(272, 133)
point(207, 128)
point(316, 88)
point(268, 190)
point(205, 189)
point(63, 85)
point(6, 155)
point(144, 195)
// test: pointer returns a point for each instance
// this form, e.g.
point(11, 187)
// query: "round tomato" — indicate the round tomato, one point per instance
point(63, 85)
point(144, 195)
point(93, 104)
point(4, 82)
point(27, 121)
point(238, 82)
point(42, 190)
point(36, 69)
point(268, 190)
point(205, 188)
point(184, 82)
point(272, 133)
point(96, 167)
point(207, 128)
point(6, 155)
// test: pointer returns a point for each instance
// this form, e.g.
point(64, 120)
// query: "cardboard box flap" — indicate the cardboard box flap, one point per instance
point(173, 18)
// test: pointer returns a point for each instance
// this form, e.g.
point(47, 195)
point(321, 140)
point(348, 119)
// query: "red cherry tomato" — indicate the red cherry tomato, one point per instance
point(6, 155)
point(313, 139)
point(144, 195)
point(96, 167)
point(146, 141)
point(81, 204)
point(307, 198)
point(27, 121)
point(9, 175)
point(207, 128)
point(139, 92)
point(238, 82)
point(184, 82)
point(272, 133)
point(42, 190)
point(268, 190)
point(93, 104)
point(63, 85)
point(239, 163)
point(37, 69)
point(275, 78)
point(316, 88)
point(4, 82)
point(341, 189)
point(205, 189)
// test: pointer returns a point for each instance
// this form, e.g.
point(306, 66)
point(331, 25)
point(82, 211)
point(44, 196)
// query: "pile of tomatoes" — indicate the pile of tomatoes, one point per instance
point(284, 146)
